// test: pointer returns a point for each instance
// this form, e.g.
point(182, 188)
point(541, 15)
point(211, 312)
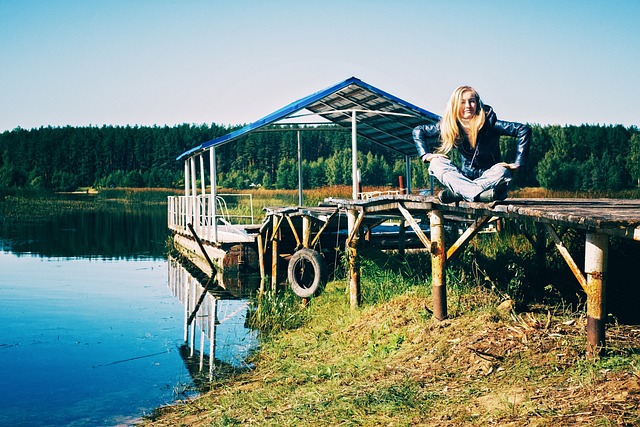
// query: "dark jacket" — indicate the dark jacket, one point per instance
point(487, 151)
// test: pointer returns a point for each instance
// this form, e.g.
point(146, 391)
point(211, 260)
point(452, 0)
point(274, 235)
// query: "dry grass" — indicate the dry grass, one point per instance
point(391, 364)
point(539, 192)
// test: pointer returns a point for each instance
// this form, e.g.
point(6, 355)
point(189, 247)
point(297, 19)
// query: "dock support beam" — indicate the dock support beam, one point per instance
point(261, 262)
point(438, 265)
point(595, 266)
point(275, 254)
point(306, 231)
point(354, 263)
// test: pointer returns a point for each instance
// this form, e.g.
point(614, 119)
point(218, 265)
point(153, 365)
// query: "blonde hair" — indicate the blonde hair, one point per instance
point(452, 128)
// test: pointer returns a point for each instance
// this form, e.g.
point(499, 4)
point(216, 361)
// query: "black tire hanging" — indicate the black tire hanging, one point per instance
point(306, 272)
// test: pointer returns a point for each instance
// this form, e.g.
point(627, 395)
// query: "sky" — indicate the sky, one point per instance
point(160, 62)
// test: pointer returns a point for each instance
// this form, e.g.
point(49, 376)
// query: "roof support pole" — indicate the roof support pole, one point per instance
point(213, 168)
point(194, 185)
point(407, 184)
point(202, 204)
point(299, 170)
point(194, 193)
point(186, 177)
point(354, 155)
point(185, 208)
point(595, 268)
point(203, 182)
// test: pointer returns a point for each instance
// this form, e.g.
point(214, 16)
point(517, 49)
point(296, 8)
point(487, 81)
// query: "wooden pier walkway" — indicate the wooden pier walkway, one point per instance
point(348, 223)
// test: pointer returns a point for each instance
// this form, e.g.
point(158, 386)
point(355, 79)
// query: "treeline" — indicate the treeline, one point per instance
point(588, 157)
point(65, 158)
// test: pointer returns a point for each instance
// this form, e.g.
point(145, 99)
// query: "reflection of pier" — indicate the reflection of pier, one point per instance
point(217, 335)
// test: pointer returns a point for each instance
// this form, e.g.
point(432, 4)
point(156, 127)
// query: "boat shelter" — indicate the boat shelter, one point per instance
point(352, 104)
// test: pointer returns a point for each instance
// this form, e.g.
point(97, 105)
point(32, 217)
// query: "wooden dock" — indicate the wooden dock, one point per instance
point(300, 239)
point(347, 223)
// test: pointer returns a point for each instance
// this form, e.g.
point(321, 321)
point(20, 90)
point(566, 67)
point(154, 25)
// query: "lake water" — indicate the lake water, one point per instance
point(92, 333)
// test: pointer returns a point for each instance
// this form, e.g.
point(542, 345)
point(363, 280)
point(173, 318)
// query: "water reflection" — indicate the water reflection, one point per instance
point(92, 331)
point(216, 338)
point(86, 342)
point(122, 231)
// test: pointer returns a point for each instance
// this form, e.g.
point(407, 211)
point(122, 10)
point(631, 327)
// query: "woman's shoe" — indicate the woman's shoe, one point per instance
point(447, 196)
point(491, 195)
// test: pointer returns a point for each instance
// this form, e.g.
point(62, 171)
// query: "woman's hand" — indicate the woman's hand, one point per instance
point(511, 166)
point(428, 157)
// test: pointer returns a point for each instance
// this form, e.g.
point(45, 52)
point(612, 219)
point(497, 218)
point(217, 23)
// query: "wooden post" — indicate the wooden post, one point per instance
point(595, 267)
point(438, 265)
point(401, 238)
point(540, 257)
point(261, 262)
point(407, 164)
point(274, 254)
point(354, 263)
point(306, 231)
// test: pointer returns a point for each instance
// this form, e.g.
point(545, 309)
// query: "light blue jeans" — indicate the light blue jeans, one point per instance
point(451, 177)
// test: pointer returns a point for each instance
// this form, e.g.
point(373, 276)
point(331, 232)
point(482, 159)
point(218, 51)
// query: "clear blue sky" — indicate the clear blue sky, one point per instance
point(90, 62)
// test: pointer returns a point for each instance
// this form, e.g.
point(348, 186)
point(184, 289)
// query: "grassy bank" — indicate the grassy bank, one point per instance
point(390, 363)
point(512, 352)
point(393, 365)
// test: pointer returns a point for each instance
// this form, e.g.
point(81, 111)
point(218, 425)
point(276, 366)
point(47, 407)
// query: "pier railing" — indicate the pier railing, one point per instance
point(214, 222)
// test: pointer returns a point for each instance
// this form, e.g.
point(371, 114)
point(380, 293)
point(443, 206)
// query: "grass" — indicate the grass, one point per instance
point(390, 363)
point(538, 192)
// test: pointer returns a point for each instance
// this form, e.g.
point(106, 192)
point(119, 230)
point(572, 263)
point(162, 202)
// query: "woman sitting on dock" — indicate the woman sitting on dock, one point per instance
point(474, 129)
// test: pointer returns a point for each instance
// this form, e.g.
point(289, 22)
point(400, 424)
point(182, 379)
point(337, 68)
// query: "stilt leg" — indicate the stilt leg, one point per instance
point(261, 262)
point(595, 266)
point(274, 255)
point(354, 264)
point(438, 265)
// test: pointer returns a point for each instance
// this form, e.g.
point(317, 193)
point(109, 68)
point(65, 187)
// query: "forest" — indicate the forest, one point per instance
point(574, 158)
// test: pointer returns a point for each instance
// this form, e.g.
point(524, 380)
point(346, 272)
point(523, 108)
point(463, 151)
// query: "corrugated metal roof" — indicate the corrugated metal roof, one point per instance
point(381, 117)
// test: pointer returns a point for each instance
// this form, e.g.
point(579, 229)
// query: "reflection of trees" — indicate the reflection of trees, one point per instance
point(108, 233)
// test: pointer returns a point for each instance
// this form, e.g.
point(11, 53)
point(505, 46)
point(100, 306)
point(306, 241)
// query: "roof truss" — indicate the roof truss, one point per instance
point(380, 116)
